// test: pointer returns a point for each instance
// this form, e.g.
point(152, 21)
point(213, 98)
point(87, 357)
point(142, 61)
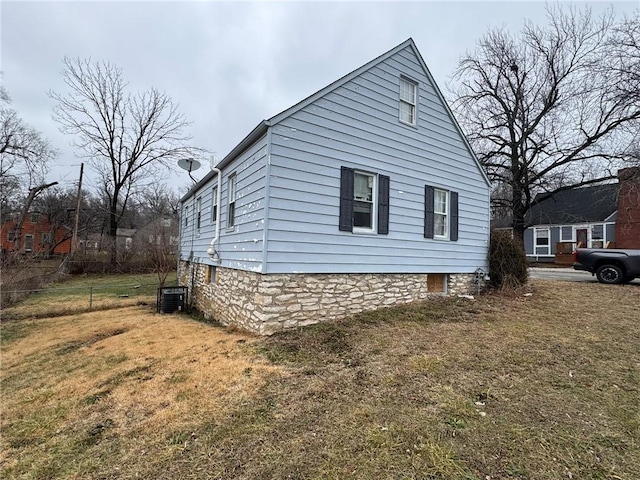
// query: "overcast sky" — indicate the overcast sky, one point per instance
point(230, 65)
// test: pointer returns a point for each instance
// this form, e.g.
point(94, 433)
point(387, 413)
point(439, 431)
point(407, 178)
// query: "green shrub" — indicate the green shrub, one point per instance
point(507, 261)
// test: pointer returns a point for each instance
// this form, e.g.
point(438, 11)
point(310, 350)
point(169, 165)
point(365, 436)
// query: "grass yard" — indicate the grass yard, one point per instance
point(539, 387)
point(82, 293)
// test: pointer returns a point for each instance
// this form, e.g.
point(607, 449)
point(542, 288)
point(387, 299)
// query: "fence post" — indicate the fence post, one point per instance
point(90, 298)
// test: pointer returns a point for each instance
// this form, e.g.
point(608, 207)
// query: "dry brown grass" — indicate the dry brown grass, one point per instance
point(505, 387)
point(127, 382)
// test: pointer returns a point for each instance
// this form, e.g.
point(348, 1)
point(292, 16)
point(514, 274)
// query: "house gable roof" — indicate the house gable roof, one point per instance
point(261, 129)
point(578, 205)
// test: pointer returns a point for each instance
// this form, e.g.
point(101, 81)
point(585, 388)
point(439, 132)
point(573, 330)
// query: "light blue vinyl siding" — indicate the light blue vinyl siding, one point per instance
point(357, 125)
point(242, 246)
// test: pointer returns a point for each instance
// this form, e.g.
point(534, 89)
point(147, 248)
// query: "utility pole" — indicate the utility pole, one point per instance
point(74, 240)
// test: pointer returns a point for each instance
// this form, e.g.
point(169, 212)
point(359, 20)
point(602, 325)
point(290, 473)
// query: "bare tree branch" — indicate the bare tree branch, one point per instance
point(126, 137)
point(552, 107)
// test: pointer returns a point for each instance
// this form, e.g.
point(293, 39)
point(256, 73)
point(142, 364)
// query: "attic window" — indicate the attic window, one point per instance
point(408, 100)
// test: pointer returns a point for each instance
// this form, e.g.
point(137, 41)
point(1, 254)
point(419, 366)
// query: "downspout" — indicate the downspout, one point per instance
point(212, 246)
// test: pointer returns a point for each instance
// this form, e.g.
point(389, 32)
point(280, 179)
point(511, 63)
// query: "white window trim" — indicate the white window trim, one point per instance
point(446, 214)
point(198, 219)
point(214, 203)
point(414, 105)
point(231, 199)
point(374, 202)
point(535, 241)
point(573, 234)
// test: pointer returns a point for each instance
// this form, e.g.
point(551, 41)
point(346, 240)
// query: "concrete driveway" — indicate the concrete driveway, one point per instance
point(567, 274)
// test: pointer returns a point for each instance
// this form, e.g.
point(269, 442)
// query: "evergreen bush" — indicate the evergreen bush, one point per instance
point(507, 261)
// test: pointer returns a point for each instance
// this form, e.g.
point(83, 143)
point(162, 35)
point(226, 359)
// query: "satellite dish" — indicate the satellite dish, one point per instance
point(190, 165)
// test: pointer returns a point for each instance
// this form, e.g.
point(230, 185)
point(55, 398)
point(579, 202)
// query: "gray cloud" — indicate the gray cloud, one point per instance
point(230, 65)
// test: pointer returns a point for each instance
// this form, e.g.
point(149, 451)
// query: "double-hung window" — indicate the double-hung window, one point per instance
point(214, 204)
point(542, 241)
point(364, 208)
point(440, 214)
point(408, 101)
point(186, 215)
point(364, 202)
point(231, 201)
point(28, 243)
point(198, 213)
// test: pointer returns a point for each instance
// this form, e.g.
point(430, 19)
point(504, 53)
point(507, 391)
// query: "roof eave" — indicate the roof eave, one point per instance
point(256, 134)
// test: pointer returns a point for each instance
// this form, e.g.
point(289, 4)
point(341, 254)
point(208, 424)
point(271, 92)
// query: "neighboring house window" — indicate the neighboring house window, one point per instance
point(542, 241)
point(566, 234)
point(408, 97)
point(198, 212)
point(440, 214)
point(35, 217)
point(12, 235)
point(597, 236)
point(364, 202)
point(214, 204)
point(166, 222)
point(46, 238)
point(231, 201)
point(28, 243)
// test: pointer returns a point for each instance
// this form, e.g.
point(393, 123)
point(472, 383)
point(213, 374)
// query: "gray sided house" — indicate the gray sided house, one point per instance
point(584, 216)
point(365, 194)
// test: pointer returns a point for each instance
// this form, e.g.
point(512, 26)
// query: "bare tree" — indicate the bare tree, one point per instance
point(546, 110)
point(24, 155)
point(128, 138)
point(158, 209)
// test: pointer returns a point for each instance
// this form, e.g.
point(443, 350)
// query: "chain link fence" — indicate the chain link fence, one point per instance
point(56, 301)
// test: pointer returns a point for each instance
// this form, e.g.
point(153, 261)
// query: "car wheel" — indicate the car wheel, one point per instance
point(610, 274)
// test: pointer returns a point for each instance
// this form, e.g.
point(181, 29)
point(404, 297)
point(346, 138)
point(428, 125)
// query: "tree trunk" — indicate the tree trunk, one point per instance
point(33, 193)
point(113, 234)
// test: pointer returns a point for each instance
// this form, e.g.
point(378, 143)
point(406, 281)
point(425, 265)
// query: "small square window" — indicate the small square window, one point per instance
point(211, 274)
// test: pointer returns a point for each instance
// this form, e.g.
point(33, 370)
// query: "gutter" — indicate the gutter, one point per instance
point(212, 246)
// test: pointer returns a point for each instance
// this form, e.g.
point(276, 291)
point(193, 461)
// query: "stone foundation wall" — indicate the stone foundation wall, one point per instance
point(266, 304)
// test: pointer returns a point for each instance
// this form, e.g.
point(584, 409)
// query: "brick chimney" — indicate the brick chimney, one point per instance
point(628, 216)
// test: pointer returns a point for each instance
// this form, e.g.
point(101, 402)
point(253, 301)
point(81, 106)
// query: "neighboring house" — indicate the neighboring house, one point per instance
point(37, 236)
point(584, 215)
point(597, 216)
point(162, 232)
point(365, 194)
point(628, 214)
point(124, 238)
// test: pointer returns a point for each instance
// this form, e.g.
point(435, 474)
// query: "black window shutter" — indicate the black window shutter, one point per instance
point(383, 204)
point(428, 212)
point(346, 199)
point(453, 234)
